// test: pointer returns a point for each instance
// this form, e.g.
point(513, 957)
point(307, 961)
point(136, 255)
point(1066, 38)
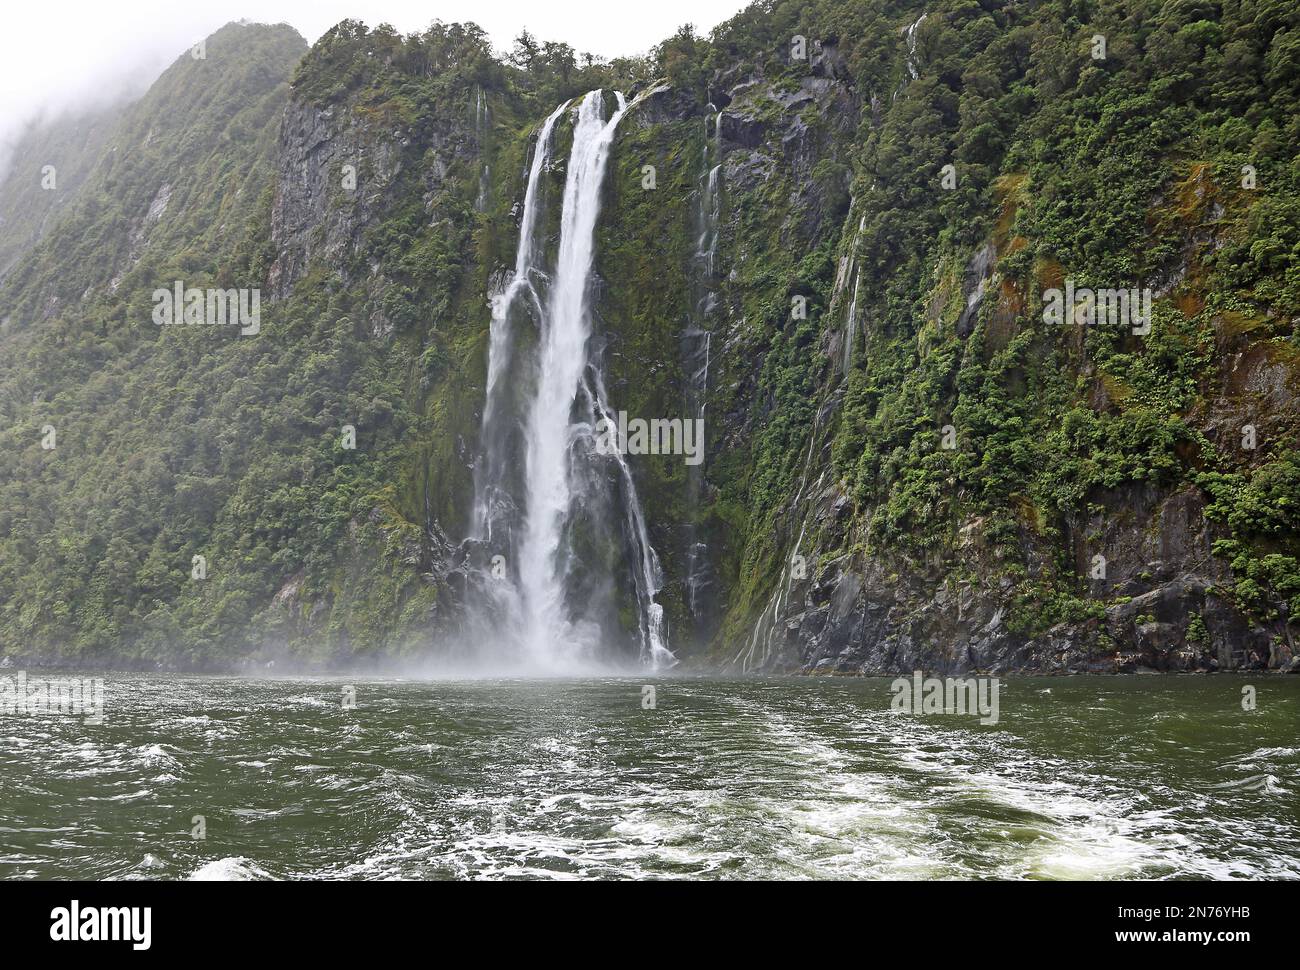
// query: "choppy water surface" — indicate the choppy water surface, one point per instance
point(1144, 777)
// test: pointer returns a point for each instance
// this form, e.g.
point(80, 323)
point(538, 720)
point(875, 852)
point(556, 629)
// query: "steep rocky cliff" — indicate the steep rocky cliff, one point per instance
point(978, 489)
point(830, 230)
point(928, 475)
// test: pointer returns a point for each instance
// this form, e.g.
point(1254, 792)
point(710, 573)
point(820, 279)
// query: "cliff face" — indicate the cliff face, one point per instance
point(332, 173)
point(830, 232)
point(925, 473)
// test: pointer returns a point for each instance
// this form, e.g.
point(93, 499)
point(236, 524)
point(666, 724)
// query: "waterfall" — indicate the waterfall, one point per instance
point(696, 353)
point(563, 358)
point(482, 122)
point(554, 516)
point(851, 326)
point(757, 651)
point(763, 641)
point(493, 497)
point(910, 37)
point(911, 46)
point(851, 323)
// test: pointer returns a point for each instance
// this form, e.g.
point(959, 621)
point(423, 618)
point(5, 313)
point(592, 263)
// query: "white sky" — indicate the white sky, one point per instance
point(54, 55)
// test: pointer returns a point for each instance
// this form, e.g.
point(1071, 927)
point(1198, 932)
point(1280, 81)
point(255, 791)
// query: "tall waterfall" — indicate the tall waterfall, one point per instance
point(558, 531)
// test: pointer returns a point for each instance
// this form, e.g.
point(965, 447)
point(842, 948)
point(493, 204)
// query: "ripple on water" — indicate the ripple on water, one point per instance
point(229, 869)
point(571, 779)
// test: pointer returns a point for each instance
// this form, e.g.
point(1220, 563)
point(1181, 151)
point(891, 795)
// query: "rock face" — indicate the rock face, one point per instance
point(338, 177)
point(1159, 599)
point(332, 176)
point(867, 615)
point(335, 174)
point(838, 265)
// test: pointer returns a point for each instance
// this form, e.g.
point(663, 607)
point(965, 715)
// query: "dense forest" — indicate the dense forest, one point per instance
point(907, 465)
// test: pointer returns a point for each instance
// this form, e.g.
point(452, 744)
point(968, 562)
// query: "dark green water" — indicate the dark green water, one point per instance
point(1143, 777)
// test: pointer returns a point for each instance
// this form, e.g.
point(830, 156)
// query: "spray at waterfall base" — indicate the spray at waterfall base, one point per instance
point(582, 580)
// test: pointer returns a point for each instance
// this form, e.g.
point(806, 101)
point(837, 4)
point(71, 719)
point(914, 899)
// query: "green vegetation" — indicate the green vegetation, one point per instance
point(1171, 163)
point(1122, 171)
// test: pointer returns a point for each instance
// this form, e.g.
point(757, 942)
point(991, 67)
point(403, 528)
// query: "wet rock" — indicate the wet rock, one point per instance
point(974, 283)
point(744, 130)
point(827, 61)
point(661, 104)
point(336, 175)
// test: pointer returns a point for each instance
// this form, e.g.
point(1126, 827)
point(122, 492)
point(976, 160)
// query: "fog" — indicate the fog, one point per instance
point(85, 53)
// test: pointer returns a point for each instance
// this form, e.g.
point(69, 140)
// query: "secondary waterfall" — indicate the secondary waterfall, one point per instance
point(696, 343)
point(482, 125)
point(911, 46)
point(558, 529)
point(910, 36)
point(767, 637)
point(851, 323)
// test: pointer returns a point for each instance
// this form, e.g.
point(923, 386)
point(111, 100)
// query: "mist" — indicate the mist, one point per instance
point(90, 55)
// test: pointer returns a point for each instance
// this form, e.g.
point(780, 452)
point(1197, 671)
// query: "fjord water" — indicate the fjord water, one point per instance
point(1082, 778)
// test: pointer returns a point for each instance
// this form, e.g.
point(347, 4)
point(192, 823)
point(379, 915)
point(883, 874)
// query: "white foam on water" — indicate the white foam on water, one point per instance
point(229, 869)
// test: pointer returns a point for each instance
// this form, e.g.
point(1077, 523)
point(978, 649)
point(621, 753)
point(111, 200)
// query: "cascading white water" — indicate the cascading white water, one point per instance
point(757, 651)
point(910, 36)
point(482, 122)
point(911, 46)
point(648, 574)
point(851, 324)
point(489, 474)
point(562, 359)
point(697, 354)
point(529, 515)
